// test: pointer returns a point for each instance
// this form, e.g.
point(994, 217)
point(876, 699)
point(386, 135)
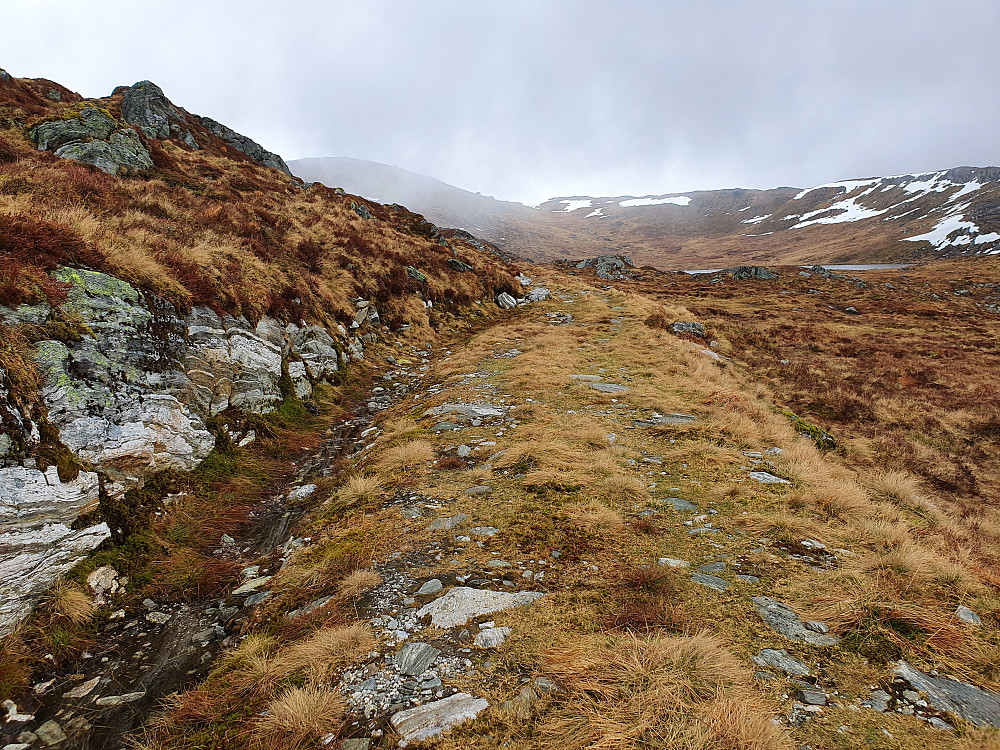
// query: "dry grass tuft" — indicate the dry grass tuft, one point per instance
point(595, 517)
point(326, 651)
point(360, 488)
point(623, 488)
point(300, 716)
point(407, 456)
point(667, 691)
point(69, 602)
point(358, 582)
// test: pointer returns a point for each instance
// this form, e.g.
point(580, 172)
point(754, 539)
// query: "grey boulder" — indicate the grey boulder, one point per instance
point(782, 619)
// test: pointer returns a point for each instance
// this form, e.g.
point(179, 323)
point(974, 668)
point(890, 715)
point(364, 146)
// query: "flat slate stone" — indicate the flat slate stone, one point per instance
point(118, 700)
point(479, 489)
point(713, 567)
point(430, 587)
point(673, 562)
point(250, 586)
point(965, 614)
point(414, 658)
point(811, 697)
point(782, 619)
point(612, 388)
point(446, 524)
point(463, 603)
point(779, 658)
point(587, 378)
point(980, 707)
point(431, 719)
point(680, 503)
point(446, 427)
point(713, 582)
point(765, 478)
point(484, 531)
point(491, 637)
point(83, 689)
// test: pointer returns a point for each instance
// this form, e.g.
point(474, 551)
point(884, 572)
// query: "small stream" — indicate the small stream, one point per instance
point(94, 701)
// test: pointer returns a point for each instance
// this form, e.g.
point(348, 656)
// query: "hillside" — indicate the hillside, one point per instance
point(941, 214)
point(439, 202)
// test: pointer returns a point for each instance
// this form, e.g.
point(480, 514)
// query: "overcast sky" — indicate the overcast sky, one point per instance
point(528, 100)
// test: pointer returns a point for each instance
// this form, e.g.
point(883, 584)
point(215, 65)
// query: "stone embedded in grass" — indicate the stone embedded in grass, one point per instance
point(586, 378)
point(484, 531)
point(431, 719)
point(702, 531)
point(779, 658)
point(491, 637)
point(677, 419)
point(498, 564)
point(680, 504)
point(782, 619)
point(811, 697)
point(673, 562)
point(713, 567)
point(446, 524)
point(877, 701)
point(414, 658)
point(713, 582)
point(309, 608)
point(430, 587)
point(446, 427)
point(463, 451)
point(250, 586)
point(609, 388)
point(766, 478)
point(479, 489)
point(747, 579)
point(965, 614)
point(980, 707)
point(463, 603)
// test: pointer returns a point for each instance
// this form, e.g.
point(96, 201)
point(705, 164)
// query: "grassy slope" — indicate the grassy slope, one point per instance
point(646, 657)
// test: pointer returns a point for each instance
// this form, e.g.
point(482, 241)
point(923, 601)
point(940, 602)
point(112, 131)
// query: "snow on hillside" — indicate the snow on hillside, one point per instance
point(682, 200)
point(572, 205)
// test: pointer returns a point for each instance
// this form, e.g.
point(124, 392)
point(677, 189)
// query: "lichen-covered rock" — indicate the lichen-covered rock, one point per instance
point(317, 349)
point(246, 145)
point(37, 544)
point(145, 105)
point(95, 137)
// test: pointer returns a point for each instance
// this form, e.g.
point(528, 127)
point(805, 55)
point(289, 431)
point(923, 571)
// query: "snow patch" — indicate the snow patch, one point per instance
point(847, 185)
point(681, 200)
point(573, 206)
point(985, 238)
point(595, 212)
point(939, 235)
point(756, 219)
point(850, 211)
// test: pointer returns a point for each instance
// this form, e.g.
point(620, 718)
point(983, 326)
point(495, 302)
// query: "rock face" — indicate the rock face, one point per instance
point(37, 544)
point(960, 698)
point(95, 137)
point(146, 106)
point(246, 145)
point(130, 398)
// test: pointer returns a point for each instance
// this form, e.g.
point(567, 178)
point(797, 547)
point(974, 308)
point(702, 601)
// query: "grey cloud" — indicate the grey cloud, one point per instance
point(524, 100)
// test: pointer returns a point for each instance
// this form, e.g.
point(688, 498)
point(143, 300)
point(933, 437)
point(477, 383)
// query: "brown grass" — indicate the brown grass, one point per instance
point(299, 717)
point(358, 582)
point(658, 692)
point(360, 488)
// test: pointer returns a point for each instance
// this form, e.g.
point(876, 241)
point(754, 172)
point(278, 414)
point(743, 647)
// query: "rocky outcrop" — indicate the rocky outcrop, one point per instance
point(246, 145)
point(130, 397)
point(37, 544)
point(146, 106)
point(93, 136)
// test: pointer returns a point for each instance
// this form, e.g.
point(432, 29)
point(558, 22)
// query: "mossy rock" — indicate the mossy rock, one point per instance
point(823, 439)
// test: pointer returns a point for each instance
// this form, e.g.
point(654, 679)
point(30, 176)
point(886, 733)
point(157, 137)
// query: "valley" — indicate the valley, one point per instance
point(286, 467)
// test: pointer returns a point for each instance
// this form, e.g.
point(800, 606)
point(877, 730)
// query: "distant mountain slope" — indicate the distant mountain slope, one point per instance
point(905, 217)
point(441, 203)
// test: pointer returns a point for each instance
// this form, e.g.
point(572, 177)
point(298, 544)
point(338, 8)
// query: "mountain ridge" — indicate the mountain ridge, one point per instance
point(677, 229)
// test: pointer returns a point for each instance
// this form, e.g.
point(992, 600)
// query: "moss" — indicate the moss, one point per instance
point(51, 452)
point(130, 514)
point(823, 439)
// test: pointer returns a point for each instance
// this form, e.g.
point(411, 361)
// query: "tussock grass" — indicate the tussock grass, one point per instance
point(657, 692)
point(299, 717)
point(408, 456)
point(69, 602)
point(360, 488)
point(358, 582)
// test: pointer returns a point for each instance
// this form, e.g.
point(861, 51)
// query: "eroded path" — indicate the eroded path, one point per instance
point(573, 527)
